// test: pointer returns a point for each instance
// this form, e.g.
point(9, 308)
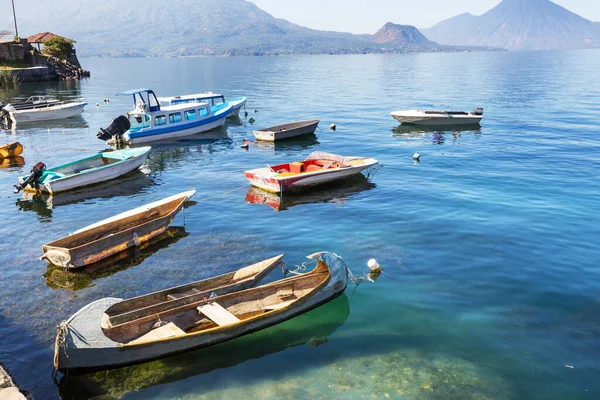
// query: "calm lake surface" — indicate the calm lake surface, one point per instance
point(490, 245)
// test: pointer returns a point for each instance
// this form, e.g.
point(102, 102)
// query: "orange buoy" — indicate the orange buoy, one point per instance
point(11, 150)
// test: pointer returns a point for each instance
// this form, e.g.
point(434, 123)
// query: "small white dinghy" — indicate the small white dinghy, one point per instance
point(102, 335)
point(47, 111)
point(97, 168)
point(316, 169)
point(287, 131)
point(443, 118)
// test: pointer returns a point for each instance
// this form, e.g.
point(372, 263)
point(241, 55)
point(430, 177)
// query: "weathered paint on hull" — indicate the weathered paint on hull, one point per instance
point(108, 246)
point(109, 354)
point(302, 181)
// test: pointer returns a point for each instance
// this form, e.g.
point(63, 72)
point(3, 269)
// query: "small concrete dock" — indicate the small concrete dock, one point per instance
point(8, 388)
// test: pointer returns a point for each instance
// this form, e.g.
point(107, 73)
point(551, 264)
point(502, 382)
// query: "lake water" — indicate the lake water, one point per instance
point(490, 245)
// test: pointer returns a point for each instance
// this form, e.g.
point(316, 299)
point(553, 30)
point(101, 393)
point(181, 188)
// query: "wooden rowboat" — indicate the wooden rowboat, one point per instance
point(110, 236)
point(96, 338)
point(287, 131)
point(97, 168)
point(11, 150)
point(316, 169)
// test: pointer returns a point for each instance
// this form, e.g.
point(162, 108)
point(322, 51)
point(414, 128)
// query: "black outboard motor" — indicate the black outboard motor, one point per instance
point(117, 127)
point(477, 111)
point(36, 173)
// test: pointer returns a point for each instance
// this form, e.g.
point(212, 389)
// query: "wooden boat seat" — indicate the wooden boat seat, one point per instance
point(164, 332)
point(217, 314)
point(180, 295)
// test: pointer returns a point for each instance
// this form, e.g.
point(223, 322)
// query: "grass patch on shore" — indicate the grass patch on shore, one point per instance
point(8, 64)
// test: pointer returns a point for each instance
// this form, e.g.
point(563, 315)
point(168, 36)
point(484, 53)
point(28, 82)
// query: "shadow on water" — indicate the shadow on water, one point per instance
point(312, 328)
point(337, 193)
point(293, 144)
point(74, 280)
point(43, 203)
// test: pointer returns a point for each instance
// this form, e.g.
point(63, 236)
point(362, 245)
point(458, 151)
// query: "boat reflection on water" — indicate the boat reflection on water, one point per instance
point(438, 133)
point(77, 122)
point(311, 329)
point(293, 144)
point(165, 153)
point(74, 280)
point(130, 184)
point(336, 193)
point(13, 162)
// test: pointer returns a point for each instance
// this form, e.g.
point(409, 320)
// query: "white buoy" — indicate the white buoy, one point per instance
point(374, 266)
point(332, 127)
point(417, 157)
point(97, 105)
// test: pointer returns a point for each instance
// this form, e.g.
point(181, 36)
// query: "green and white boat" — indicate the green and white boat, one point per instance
point(87, 171)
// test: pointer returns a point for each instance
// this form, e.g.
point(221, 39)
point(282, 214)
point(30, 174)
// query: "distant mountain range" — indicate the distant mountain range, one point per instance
point(141, 28)
point(519, 25)
point(202, 27)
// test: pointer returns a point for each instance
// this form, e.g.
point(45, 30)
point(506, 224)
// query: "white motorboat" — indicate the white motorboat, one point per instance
point(43, 110)
point(211, 98)
point(432, 117)
point(87, 171)
point(316, 169)
point(149, 121)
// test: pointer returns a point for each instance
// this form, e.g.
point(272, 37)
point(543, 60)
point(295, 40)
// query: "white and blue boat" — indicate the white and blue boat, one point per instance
point(150, 121)
point(211, 98)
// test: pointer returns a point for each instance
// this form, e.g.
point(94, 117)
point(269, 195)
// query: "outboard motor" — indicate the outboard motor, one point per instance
point(477, 111)
point(117, 127)
point(36, 173)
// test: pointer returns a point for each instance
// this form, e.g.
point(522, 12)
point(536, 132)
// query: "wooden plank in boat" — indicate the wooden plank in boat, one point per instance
point(164, 332)
point(218, 314)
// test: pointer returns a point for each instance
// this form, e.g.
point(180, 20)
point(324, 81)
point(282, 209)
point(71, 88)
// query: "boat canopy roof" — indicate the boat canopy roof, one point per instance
point(134, 91)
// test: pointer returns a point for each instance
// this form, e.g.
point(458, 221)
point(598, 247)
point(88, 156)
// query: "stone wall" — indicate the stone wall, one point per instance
point(12, 51)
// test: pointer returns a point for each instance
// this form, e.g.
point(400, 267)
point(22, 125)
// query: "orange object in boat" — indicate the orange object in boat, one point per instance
point(312, 168)
point(296, 167)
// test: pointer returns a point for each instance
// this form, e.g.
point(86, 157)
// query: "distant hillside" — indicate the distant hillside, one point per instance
point(519, 25)
point(401, 35)
point(198, 27)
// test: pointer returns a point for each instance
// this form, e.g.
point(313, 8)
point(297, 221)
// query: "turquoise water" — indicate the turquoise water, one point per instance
point(489, 245)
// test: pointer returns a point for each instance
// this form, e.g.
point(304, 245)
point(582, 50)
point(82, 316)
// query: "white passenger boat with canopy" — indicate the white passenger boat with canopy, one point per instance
point(213, 99)
point(149, 121)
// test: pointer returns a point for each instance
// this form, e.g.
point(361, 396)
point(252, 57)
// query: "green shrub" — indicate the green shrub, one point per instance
point(58, 47)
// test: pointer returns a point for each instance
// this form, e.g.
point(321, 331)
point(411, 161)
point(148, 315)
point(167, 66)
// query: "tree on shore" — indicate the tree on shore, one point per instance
point(58, 47)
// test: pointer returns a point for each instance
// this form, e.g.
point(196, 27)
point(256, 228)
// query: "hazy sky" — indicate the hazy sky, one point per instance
point(367, 16)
